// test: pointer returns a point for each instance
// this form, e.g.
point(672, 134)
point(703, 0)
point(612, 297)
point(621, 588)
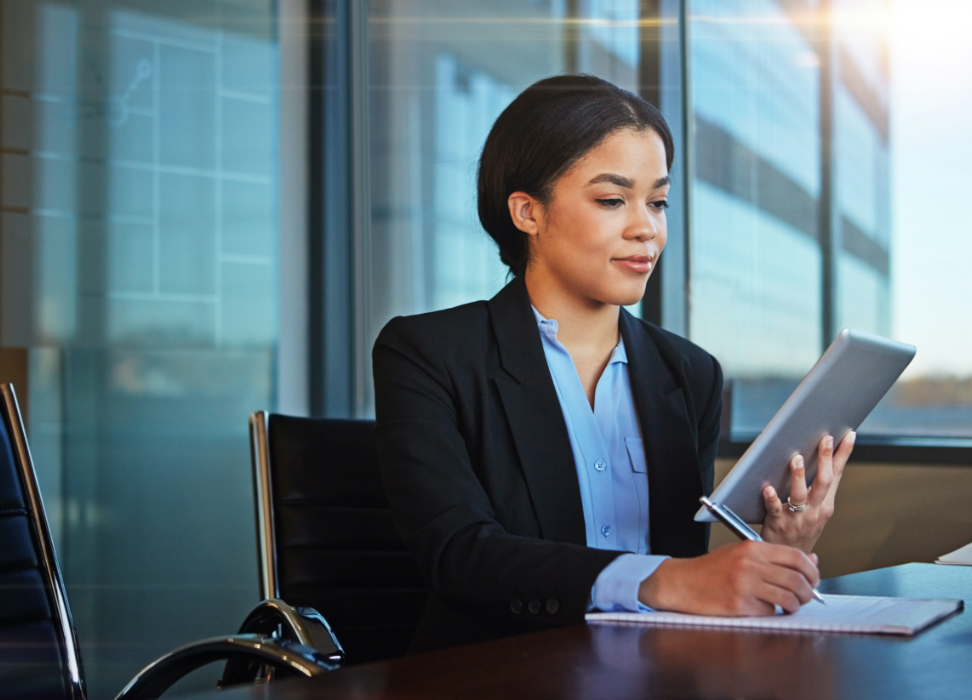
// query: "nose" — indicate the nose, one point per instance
point(644, 228)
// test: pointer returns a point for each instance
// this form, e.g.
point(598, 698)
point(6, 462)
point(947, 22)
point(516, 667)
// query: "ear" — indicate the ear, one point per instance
point(526, 212)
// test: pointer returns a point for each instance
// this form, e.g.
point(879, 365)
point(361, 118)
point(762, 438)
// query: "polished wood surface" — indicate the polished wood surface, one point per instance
point(629, 661)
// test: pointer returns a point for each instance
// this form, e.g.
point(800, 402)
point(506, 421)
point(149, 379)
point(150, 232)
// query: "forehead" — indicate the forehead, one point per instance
point(638, 155)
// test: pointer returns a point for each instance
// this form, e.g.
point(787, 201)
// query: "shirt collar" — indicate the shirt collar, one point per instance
point(548, 328)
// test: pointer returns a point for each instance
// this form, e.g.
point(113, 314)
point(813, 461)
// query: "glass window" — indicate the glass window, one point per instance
point(756, 260)
point(465, 265)
point(929, 150)
point(439, 78)
point(139, 268)
point(799, 114)
point(440, 74)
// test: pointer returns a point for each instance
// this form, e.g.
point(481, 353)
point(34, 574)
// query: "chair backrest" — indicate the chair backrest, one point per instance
point(39, 655)
point(327, 539)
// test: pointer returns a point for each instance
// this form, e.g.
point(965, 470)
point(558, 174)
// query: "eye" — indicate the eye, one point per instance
point(661, 204)
point(613, 203)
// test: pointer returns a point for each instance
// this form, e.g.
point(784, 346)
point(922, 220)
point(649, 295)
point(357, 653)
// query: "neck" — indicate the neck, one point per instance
point(588, 329)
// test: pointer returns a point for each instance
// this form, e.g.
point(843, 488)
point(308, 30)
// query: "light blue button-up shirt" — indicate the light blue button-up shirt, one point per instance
point(609, 457)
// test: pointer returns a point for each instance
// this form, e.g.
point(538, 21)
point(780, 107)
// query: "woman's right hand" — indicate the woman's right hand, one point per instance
point(740, 579)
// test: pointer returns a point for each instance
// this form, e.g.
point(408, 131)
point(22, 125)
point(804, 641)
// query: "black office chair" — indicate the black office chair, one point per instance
point(39, 655)
point(325, 533)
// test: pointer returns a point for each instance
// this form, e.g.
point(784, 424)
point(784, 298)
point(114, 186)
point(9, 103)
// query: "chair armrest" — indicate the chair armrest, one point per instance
point(286, 657)
point(273, 617)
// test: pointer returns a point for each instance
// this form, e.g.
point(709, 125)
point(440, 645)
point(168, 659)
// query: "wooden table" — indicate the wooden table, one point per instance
point(602, 661)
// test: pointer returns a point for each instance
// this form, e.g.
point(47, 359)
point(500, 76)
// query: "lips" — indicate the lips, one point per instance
point(640, 264)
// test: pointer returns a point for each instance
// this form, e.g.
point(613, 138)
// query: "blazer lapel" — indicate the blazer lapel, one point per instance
point(671, 446)
point(535, 417)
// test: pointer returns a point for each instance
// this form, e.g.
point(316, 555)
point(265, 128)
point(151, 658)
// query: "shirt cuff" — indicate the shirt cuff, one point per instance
point(616, 587)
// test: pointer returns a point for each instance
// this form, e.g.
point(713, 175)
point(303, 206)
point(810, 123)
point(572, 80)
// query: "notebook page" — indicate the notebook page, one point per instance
point(902, 615)
point(841, 614)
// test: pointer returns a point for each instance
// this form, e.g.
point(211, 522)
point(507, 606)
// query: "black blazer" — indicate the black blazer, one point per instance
point(478, 468)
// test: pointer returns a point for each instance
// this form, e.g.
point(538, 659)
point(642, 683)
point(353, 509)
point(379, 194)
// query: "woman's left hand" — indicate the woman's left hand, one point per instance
point(802, 528)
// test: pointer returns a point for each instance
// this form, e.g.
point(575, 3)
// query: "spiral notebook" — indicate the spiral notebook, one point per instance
point(842, 613)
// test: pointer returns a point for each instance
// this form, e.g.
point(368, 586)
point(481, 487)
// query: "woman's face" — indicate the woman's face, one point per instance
point(600, 235)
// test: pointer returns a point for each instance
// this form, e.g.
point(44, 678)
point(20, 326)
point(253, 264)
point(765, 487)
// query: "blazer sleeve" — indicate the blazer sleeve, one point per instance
point(443, 512)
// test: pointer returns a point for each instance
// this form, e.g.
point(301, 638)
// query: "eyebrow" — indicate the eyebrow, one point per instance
point(626, 182)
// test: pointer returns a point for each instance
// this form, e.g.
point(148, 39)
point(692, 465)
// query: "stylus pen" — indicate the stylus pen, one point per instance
point(740, 529)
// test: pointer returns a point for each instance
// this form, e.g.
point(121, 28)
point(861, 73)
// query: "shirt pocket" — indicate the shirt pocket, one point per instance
point(636, 452)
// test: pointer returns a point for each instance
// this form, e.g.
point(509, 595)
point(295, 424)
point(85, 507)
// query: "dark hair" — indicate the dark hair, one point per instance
point(540, 135)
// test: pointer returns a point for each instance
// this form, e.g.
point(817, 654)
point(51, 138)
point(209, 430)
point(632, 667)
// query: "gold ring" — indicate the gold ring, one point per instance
point(795, 508)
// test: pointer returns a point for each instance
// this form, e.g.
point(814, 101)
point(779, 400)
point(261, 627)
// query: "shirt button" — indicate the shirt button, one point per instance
point(534, 606)
point(605, 530)
point(553, 605)
point(600, 465)
point(516, 606)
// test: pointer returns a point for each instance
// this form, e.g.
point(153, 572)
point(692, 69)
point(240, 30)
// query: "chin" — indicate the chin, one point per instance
point(631, 300)
point(611, 288)
point(627, 289)
point(625, 295)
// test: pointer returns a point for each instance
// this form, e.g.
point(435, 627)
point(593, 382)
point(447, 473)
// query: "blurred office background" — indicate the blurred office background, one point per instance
point(211, 207)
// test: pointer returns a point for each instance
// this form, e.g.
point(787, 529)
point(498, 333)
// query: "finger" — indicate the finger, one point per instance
point(779, 595)
point(793, 558)
point(798, 481)
point(790, 580)
point(843, 453)
point(757, 607)
point(825, 471)
point(774, 506)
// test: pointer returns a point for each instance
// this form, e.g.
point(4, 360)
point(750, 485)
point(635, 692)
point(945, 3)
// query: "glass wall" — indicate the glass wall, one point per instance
point(927, 59)
point(439, 75)
point(781, 233)
point(139, 266)
point(795, 233)
point(791, 234)
point(438, 81)
point(756, 258)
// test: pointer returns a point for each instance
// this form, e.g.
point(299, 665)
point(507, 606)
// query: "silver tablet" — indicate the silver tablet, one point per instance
point(834, 398)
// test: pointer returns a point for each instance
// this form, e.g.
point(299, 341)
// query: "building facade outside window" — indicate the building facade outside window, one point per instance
point(756, 258)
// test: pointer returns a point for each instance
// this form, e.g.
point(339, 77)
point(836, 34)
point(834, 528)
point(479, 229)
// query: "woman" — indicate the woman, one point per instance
point(544, 451)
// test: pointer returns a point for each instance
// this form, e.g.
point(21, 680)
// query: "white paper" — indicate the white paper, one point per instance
point(842, 613)
point(961, 556)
